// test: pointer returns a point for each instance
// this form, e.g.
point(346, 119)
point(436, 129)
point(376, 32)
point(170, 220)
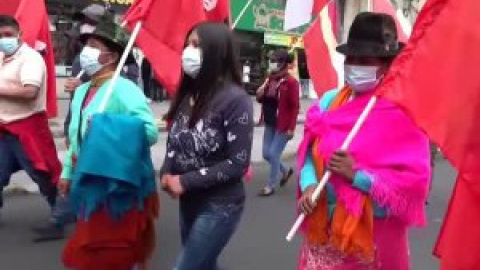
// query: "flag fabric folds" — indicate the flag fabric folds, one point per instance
point(435, 80)
point(320, 48)
point(165, 25)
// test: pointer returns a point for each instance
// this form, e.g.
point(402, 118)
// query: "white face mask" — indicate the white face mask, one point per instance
point(87, 28)
point(362, 78)
point(89, 60)
point(192, 61)
point(274, 67)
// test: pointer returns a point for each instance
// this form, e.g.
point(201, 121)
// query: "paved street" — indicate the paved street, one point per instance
point(259, 243)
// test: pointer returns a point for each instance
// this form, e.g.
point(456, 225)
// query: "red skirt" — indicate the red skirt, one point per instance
point(105, 244)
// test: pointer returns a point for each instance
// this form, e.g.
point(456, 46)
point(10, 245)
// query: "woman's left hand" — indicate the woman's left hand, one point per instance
point(343, 165)
point(172, 184)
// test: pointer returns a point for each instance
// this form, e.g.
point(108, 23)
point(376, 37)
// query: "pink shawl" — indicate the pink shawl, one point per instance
point(389, 147)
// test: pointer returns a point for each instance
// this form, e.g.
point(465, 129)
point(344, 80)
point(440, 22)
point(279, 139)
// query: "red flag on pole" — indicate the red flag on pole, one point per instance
point(165, 26)
point(436, 80)
point(35, 26)
point(320, 44)
point(318, 5)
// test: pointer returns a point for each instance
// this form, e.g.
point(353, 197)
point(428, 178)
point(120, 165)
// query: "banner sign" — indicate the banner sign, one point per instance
point(262, 16)
point(285, 40)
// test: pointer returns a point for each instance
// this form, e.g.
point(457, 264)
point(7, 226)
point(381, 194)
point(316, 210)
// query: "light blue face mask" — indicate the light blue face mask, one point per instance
point(89, 60)
point(9, 45)
point(362, 78)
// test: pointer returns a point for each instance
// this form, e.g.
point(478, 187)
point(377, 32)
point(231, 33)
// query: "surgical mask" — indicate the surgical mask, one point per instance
point(9, 45)
point(274, 67)
point(362, 78)
point(87, 28)
point(192, 61)
point(89, 60)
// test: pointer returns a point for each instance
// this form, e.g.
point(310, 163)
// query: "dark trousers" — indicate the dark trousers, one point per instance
point(205, 231)
point(12, 159)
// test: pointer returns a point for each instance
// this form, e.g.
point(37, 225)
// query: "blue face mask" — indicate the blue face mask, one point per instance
point(89, 60)
point(362, 79)
point(9, 45)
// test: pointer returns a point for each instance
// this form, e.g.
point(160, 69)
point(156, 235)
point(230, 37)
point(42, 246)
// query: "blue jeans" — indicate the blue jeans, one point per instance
point(12, 159)
point(274, 143)
point(205, 231)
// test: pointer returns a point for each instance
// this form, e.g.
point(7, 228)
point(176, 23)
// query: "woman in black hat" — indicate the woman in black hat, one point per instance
point(378, 187)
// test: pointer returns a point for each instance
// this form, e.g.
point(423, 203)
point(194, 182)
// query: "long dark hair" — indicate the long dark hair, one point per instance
point(219, 67)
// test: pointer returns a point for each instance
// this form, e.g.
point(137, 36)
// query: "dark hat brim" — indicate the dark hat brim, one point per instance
point(120, 48)
point(369, 51)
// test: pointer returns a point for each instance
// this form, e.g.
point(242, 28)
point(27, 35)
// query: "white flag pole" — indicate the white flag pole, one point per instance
point(245, 8)
point(80, 74)
point(121, 63)
point(328, 174)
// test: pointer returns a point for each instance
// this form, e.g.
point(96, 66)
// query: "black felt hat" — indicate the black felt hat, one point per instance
point(372, 35)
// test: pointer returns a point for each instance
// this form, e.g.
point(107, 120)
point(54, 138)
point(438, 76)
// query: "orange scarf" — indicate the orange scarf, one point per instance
point(350, 234)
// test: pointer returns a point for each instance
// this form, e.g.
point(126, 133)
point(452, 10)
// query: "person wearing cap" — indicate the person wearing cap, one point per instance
point(280, 99)
point(88, 20)
point(115, 210)
point(379, 185)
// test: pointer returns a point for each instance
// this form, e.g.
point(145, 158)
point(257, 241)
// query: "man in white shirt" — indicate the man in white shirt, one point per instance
point(26, 142)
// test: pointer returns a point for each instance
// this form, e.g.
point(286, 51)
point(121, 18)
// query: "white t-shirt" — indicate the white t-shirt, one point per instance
point(27, 67)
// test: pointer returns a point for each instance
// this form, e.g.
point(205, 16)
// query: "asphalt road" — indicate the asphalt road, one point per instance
point(258, 244)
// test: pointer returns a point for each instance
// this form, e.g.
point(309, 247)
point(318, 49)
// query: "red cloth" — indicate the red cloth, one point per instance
point(91, 94)
point(165, 27)
point(34, 23)
point(436, 80)
point(101, 243)
point(319, 58)
point(37, 141)
point(318, 5)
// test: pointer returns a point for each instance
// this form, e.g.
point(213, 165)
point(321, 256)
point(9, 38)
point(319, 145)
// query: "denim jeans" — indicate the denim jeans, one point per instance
point(274, 143)
point(12, 159)
point(205, 231)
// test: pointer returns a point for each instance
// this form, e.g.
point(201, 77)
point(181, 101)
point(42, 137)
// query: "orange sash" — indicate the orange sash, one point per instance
point(350, 234)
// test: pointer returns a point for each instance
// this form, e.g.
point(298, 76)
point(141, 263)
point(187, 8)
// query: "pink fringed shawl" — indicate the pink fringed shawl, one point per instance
point(388, 147)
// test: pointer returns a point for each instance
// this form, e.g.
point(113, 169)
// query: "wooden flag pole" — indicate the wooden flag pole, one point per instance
point(120, 66)
point(328, 174)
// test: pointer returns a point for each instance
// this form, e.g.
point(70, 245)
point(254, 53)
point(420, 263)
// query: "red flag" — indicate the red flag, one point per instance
point(165, 26)
point(436, 80)
point(403, 27)
point(33, 20)
point(318, 5)
point(217, 10)
point(320, 49)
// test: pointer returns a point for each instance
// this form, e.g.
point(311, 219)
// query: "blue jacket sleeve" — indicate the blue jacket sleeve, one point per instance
point(308, 175)
point(363, 181)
